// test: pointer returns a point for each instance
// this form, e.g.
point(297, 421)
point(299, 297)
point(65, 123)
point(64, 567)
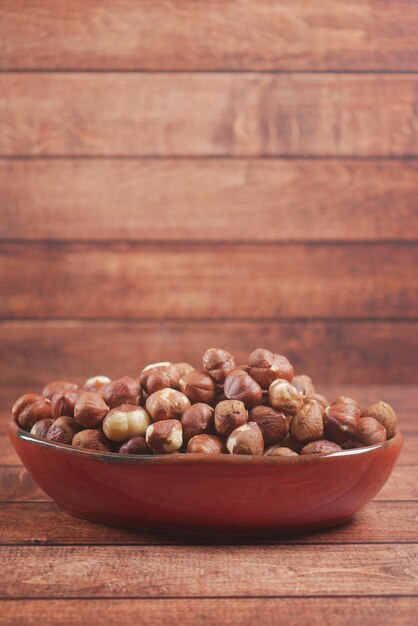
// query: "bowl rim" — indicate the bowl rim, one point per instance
point(165, 459)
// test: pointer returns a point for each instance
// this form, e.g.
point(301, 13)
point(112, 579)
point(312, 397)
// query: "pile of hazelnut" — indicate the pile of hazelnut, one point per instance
point(258, 408)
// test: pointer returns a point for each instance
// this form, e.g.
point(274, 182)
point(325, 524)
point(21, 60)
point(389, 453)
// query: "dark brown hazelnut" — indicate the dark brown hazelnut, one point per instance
point(229, 414)
point(40, 429)
point(307, 425)
point(198, 387)
point(273, 424)
point(246, 439)
point(383, 413)
point(241, 386)
point(318, 397)
point(265, 367)
point(163, 366)
point(164, 437)
point(32, 413)
point(63, 430)
point(23, 401)
point(167, 404)
point(284, 397)
point(91, 439)
point(136, 445)
point(124, 390)
point(320, 447)
point(126, 421)
point(184, 368)
point(303, 384)
point(90, 409)
point(58, 386)
point(197, 419)
point(63, 403)
point(96, 383)
point(370, 432)
point(163, 379)
point(206, 444)
point(279, 450)
point(218, 364)
point(341, 419)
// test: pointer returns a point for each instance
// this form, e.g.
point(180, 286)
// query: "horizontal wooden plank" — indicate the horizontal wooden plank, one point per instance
point(213, 612)
point(345, 352)
point(209, 199)
point(127, 34)
point(17, 486)
point(203, 115)
point(378, 522)
point(65, 572)
point(201, 280)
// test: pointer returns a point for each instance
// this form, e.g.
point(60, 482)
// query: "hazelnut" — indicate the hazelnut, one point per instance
point(136, 445)
point(273, 424)
point(32, 413)
point(284, 397)
point(266, 367)
point(91, 439)
point(96, 383)
point(124, 390)
point(303, 384)
point(246, 439)
point(307, 425)
point(150, 369)
point(341, 419)
point(24, 401)
point(279, 450)
point(58, 386)
point(229, 414)
point(63, 430)
point(40, 429)
point(165, 437)
point(126, 421)
point(240, 386)
point(163, 379)
point(90, 409)
point(318, 397)
point(198, 387)
point(167, 404)
point(370, 432)
point(184, 368)
point(383, 413)
point(197, 419)
point(218, 364)
point(321, 447)
point(63, 403)
point(206, 444)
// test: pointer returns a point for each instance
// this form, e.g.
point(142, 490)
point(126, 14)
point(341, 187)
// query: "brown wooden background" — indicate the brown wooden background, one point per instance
point(180, 174)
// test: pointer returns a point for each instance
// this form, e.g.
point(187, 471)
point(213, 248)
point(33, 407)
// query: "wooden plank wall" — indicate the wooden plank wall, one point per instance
point(179, 174)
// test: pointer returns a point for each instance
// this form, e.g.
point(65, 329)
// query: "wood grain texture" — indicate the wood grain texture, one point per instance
point(204, 115)
point(17, 486)
point(212, 612)
point(345, 352)
point(111, 280)
point(208, 199)
point(256, 34)
point(183, 571)
point(378, 522)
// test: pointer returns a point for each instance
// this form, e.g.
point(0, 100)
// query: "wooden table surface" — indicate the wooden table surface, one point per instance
point(60, 570)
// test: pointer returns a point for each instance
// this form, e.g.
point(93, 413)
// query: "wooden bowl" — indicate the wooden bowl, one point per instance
point(203, 493)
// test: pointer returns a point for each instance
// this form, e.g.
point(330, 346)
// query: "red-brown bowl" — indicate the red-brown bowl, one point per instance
point(204, 493)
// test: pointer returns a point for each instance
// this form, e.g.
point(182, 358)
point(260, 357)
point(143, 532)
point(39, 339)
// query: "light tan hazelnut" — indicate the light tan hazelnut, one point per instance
point(63, 430)
point(197, 419)
point(184, 368)
point(341, 419)
point(96, 383)
point(383, 413)
point(124, 390)
point(198, 387)
point(136, 445)
point(32, 413)
point(165, 437)
point(246, 439)
point(284, 397)
point(41, 428)
point(229, 414)
point(23, 401)
point(167, 404)
point(370, 432)
point(91, 439)
point(279, 450)
point(206, 444)
point(63, 403)
point(320, 447)
point(58, 386)
point(126, 421)
point(272, 423)
point(218, 364)
point(303, 384)
point(90, 409)
point(265, 367)
point(241, 386)
point(307, 425)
